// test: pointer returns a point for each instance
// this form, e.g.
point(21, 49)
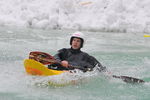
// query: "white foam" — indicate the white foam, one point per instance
point(94, 15)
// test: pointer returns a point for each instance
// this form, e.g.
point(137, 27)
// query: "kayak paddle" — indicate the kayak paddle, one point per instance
point(45, 58)
point(128, 79)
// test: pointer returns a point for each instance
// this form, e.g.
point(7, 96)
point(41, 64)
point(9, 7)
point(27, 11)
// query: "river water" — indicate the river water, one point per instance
point(122, 54)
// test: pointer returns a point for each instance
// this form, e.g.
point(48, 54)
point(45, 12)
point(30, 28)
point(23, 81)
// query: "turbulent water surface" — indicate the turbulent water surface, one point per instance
point(122, 53)
point(97, 15)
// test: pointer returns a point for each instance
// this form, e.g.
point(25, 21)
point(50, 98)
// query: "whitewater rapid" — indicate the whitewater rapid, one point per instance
point(93, 15)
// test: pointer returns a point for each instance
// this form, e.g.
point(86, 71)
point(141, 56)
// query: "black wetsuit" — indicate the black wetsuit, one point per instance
point(77, 58)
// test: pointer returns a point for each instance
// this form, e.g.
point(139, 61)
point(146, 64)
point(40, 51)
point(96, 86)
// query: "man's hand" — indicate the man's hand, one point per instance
point(64, 63)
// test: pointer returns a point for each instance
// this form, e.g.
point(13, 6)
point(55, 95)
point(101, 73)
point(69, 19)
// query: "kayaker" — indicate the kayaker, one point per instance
point(75, 57)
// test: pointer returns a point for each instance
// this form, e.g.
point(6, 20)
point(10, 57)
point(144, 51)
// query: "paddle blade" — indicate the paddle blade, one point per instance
point(35, 55)
point(128, 79)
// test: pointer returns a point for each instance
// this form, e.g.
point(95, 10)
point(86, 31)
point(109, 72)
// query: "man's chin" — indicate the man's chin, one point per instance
point(75, 48)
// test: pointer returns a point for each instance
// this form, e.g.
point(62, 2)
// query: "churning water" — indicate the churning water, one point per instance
point(122, 54)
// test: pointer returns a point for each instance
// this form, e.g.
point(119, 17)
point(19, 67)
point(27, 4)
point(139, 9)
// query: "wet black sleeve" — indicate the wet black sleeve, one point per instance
point(60, 55)
point(95, 63)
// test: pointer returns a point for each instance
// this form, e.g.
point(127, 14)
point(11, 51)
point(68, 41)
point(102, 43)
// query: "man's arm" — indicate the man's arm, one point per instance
point(95, 63)
point(60, 55)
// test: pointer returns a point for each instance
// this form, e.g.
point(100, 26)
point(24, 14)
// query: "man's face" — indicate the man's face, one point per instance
point(76, 43)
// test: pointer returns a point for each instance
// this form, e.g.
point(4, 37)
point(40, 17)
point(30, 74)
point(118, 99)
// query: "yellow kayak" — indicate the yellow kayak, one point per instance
point(33, 67)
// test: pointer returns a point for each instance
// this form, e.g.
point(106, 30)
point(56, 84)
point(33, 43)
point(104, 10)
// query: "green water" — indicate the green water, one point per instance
point(122, 54)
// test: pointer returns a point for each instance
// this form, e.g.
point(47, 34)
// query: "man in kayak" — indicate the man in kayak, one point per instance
point(69, 57)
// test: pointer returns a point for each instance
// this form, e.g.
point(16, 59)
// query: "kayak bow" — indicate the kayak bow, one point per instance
point(33, 67)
